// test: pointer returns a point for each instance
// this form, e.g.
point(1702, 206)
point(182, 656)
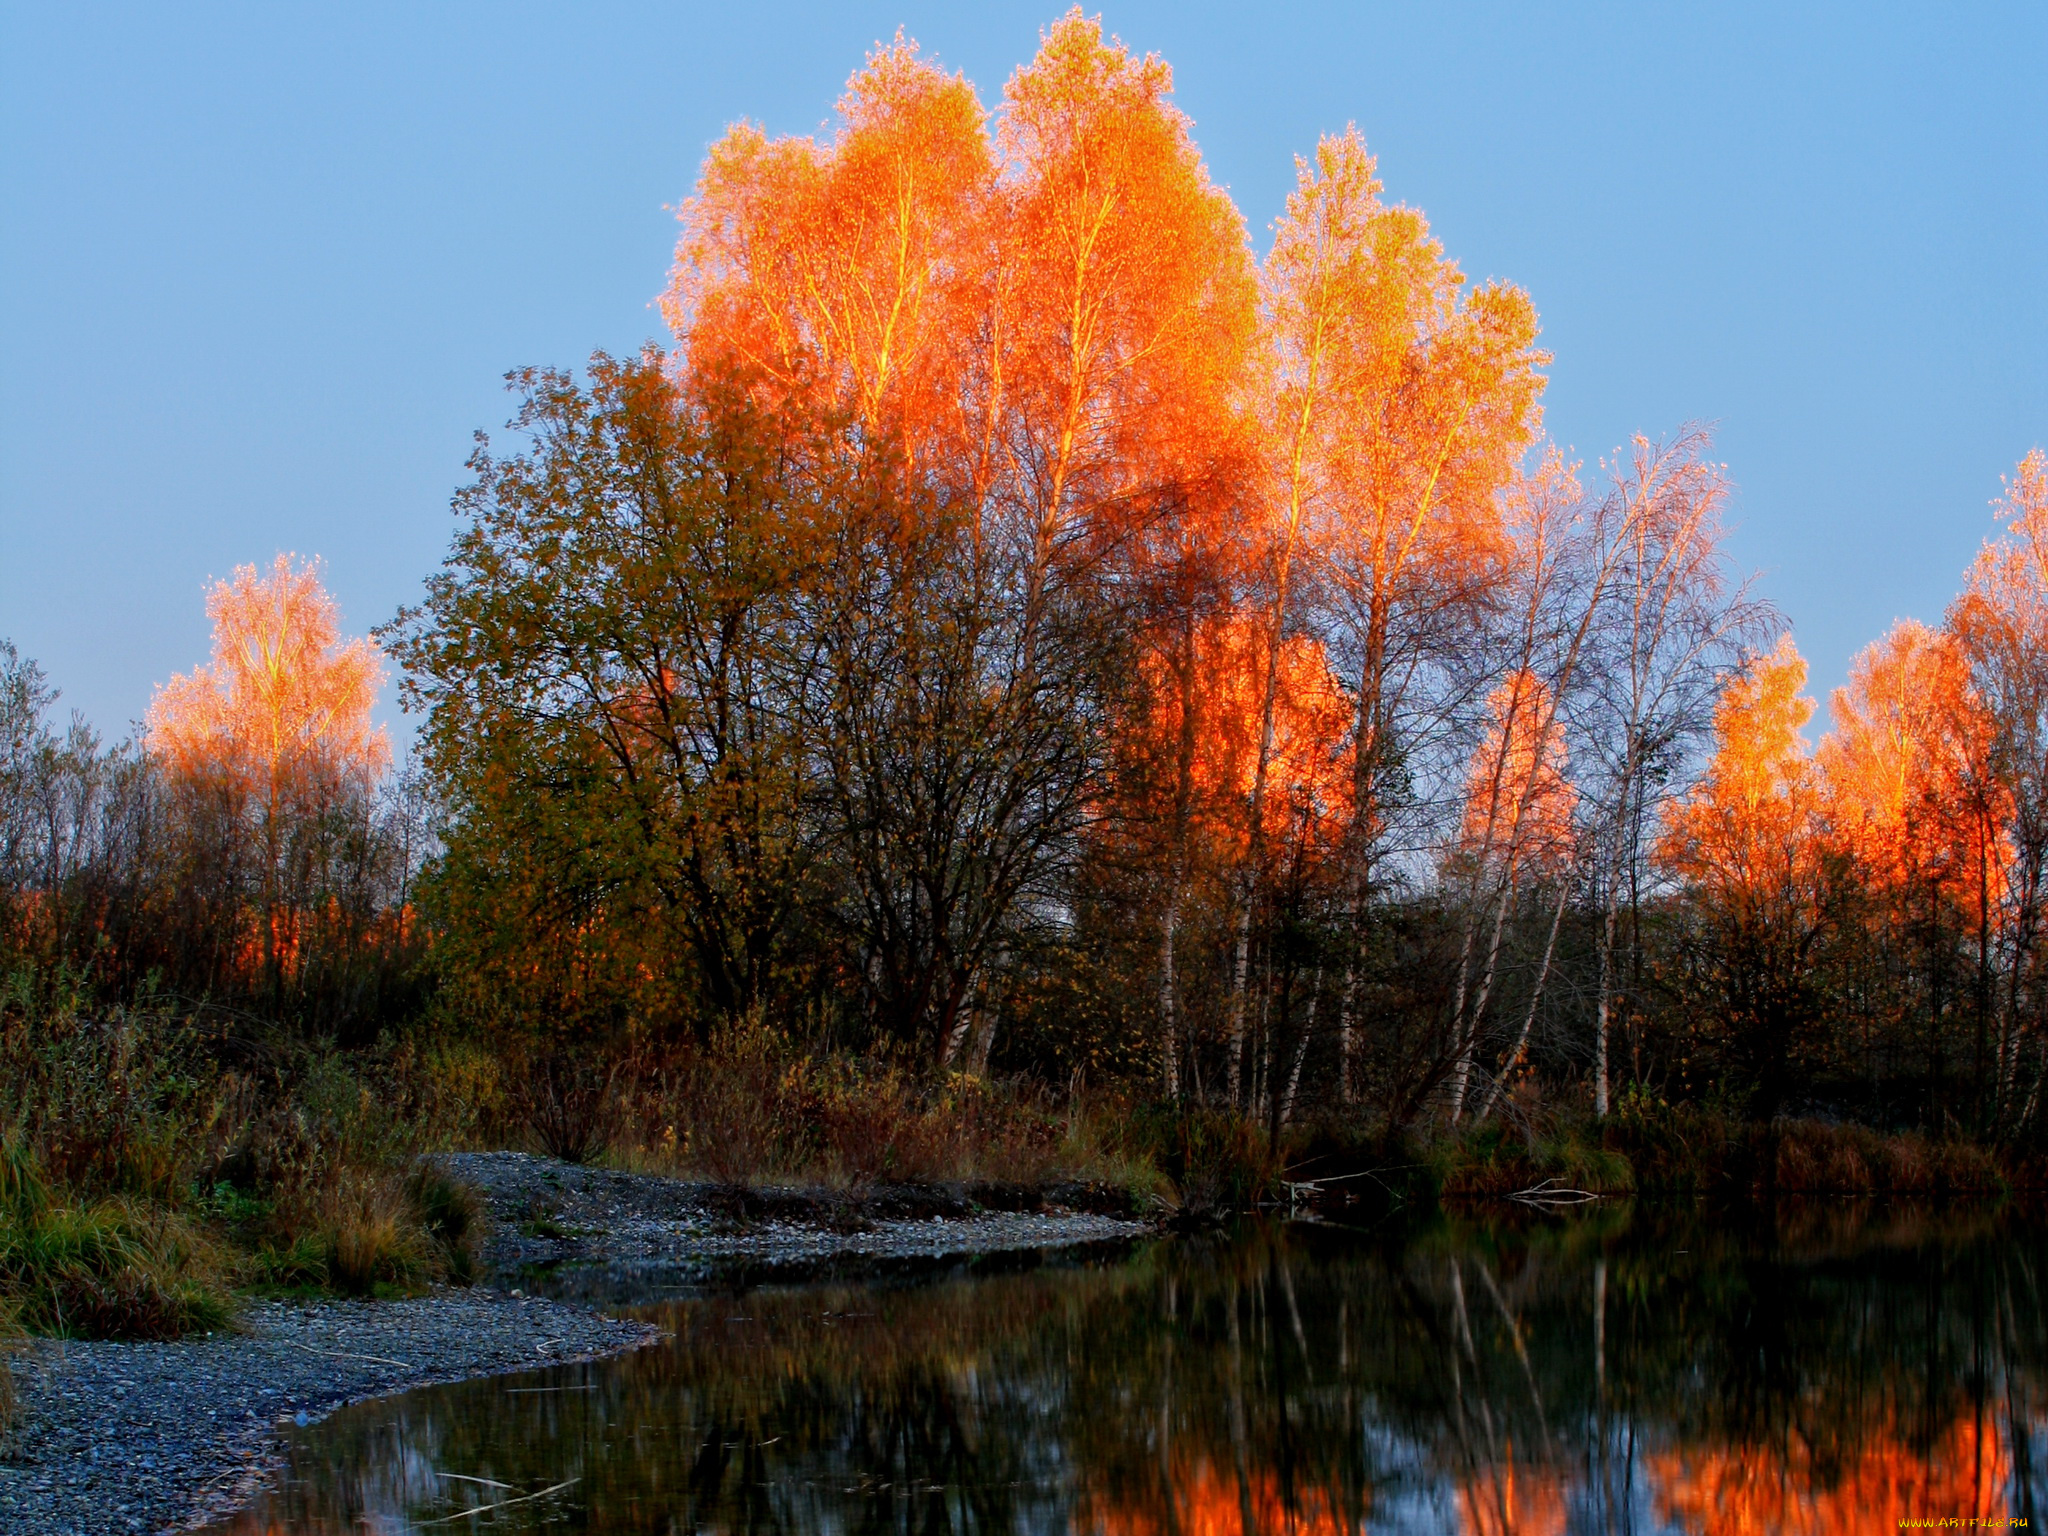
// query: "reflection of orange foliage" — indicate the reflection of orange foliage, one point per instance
point(1508, 1500)
point(1518, 804)
point(1205, 1502)
point(285, 703)
point(1739, 1490)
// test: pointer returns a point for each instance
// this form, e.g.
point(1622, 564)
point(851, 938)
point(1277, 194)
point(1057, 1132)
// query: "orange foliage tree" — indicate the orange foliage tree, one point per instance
point(1401, 407)
point(1915, 801)
point(285, 706)
point(275, 736)
point(1749, 845)
point(1044, 316)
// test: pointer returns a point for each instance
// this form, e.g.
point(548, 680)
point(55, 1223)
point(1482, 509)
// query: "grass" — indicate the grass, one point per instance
point(757, 1108)
point(10, 1344)
point(113, 1267)
point(154, 1165)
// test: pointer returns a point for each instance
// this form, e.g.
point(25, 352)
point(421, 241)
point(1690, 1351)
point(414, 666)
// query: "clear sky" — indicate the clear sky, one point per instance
point(262, 268)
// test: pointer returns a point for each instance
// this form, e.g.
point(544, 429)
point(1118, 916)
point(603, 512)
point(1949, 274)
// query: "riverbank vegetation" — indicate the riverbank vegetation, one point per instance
point(1024, 688)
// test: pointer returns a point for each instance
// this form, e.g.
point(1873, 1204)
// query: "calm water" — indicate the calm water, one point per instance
point(1836, 1370)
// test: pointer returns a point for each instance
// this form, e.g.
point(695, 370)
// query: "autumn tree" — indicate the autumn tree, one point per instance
point(2001, 623)
point(1916, 804)
point(286, 703)
point(851, 276)
point(274, 744)
point(1519, 820)
point(1044, 326)
point(1556, 581)
point(1677, 622)
point(1749, 844)
point(1401, 406)
point(621, 686)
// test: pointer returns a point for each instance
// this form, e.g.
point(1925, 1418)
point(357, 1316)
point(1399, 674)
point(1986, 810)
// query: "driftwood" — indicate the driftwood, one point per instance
point(1550, 1192)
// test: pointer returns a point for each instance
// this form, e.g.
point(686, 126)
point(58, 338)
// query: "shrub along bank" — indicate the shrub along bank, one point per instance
point(155, 1161)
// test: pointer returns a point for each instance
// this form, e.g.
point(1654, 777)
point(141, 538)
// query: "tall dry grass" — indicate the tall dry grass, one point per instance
point(154, 1161)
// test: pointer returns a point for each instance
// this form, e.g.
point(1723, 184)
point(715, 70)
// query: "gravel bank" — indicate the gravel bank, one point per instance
point(159, 1437)
point(549, 1212)
point(156, 1437)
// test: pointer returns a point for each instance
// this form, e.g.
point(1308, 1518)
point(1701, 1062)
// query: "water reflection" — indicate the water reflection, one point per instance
point(1837, 1372)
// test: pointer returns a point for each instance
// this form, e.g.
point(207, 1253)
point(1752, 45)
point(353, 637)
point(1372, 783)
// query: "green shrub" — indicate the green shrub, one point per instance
point(109, 1268)
point(452, 1216)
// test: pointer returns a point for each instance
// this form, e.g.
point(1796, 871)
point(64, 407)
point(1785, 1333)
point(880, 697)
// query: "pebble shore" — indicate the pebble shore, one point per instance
point(149, 1438)
point(159, 1437)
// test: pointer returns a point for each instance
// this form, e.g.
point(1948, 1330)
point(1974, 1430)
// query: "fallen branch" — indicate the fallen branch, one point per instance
point(342, 1354)
point(1550, 1192)
point(484, 1509)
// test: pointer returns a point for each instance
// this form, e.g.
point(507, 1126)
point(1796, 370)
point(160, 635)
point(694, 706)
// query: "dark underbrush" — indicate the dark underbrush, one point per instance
point(1650, 1149)
point(155, 1160)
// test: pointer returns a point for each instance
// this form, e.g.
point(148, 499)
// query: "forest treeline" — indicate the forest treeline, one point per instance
point(1015, 633)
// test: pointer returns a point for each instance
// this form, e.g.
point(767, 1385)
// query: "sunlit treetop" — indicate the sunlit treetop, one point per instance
point(1752, 824)
point(1410, 398)
point(1049, 312)
point(286, 702)
point(1761, 753)
point(1909, 757)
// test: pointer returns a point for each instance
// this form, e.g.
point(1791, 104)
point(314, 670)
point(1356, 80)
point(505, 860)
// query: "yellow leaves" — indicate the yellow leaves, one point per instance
point(285, 703)
point(1402, 406)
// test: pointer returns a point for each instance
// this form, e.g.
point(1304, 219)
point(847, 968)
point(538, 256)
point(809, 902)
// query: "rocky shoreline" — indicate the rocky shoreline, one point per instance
point(155, 1437)
point(120, 1437)
point(546, 1213)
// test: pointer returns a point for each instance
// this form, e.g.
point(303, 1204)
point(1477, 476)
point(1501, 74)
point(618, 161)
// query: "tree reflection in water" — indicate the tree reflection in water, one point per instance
point(1628, 1372)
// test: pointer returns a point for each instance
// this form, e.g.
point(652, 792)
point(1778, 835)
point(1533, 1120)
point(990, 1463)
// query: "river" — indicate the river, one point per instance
point(1825, 1368)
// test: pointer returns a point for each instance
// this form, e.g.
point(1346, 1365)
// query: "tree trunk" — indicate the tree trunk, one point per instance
point(1535, 999)
point(1308, 1029)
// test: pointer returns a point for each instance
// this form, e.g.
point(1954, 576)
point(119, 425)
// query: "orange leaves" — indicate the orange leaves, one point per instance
point(285, 703)
point(1129, 283)
point(1506, 1500)
point(1754, 818)
point(1309, 770)
point(844, 274)
point(1908, 769)
point(1518, 803)
point(1960, 1479)
point(1761, 757)
point(1200, 1501)
point(1050, 316)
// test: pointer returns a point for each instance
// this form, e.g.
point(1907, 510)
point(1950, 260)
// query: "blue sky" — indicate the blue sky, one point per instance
point(262, 268)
